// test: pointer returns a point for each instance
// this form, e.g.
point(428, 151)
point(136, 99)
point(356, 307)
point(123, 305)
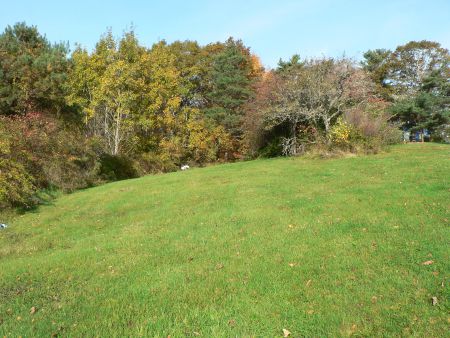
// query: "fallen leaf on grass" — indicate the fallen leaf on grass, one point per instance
point(308, 282)
point(428, 262)
point(286, 333)
point(196, 333)
point(219, 266)
point(33, 310)
point(232, 322)
point(291, 264)
point(434, 301)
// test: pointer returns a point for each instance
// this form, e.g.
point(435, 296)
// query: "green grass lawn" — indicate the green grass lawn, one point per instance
point(318, 247)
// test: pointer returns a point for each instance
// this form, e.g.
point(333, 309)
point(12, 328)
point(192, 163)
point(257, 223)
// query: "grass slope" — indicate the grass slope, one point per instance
point(318, 247)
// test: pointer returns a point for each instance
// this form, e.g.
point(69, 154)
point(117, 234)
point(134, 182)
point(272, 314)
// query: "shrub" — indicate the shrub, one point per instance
point(16, 185)
point(115, 167)
point(341, 133)
point(441, 134)
point(152, 163)
point(370, 127)
point(75, 163)
point(272, 149)
point(53, 156)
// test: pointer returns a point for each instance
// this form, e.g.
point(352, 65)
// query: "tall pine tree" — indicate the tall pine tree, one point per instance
point(231, 81)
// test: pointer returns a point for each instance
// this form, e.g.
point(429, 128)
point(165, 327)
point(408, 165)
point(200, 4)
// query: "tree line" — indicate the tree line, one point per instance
point(74, 120)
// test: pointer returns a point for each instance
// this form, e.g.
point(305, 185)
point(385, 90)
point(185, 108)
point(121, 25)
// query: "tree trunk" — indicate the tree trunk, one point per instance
point(326, 123)
point(117, 135)
point(294, 139)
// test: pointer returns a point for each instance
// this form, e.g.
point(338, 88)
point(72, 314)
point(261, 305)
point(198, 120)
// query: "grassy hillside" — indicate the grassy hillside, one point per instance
point(317, 247)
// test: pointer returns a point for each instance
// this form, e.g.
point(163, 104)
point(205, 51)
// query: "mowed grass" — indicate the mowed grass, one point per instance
point(318, 247)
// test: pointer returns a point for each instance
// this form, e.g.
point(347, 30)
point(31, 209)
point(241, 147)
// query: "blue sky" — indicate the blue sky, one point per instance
point(272, 29)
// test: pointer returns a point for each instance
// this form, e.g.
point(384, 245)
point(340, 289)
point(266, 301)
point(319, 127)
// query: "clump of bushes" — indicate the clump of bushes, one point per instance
point(153, 163)
point(39, 153)
point(16, 185)
point(116, 168)
point(366, 128)
point(321, 106)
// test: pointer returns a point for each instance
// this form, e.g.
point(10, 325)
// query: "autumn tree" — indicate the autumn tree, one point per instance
point(192, 65)
point(309, 99)
point(256, 135)
point(106, 87)
point(145, 101)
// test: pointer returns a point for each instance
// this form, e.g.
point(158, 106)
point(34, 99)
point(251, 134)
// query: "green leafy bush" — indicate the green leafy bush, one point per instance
point(115, 167)
point(272, 149)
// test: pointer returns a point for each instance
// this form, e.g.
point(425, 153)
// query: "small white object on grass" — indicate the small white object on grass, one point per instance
point(3, 226)
point(184, 167)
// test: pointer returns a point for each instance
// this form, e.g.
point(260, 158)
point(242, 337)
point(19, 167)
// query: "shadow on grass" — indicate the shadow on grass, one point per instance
point(43, 198)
